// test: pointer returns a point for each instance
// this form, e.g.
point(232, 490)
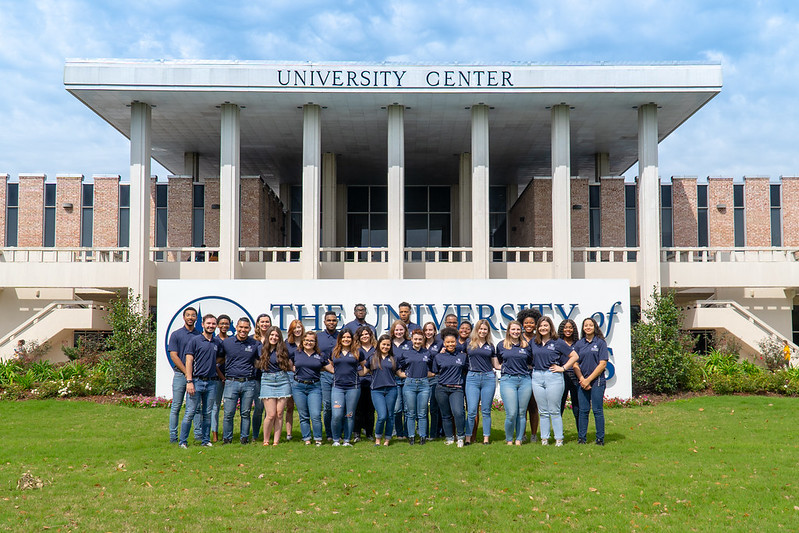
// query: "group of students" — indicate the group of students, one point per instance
point(338, 379)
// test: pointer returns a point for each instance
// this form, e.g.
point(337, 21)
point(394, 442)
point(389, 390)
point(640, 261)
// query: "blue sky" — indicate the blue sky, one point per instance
point(751, 128)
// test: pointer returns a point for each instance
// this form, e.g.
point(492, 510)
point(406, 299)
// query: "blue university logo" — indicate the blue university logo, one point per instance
point(215, 305)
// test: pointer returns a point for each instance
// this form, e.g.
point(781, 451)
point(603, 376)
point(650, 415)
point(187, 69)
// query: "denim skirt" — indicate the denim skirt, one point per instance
point(275, 385)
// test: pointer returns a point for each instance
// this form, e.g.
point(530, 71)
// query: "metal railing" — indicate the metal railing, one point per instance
point(64, 255)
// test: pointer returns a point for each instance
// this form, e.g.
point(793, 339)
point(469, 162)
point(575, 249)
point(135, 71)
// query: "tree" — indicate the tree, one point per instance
point(131, 345)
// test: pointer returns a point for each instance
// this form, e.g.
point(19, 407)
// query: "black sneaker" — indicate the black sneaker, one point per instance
point(226, 441)
point(410, 441)
point(581, 441)
point(422, 441)
point(245, 441)
point(600, 442)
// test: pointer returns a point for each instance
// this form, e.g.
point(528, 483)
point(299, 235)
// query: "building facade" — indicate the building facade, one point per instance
point(353, 171)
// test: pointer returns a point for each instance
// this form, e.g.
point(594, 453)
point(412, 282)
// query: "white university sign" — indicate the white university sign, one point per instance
point(498, 301)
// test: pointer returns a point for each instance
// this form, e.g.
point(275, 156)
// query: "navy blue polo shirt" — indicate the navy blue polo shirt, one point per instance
point(345, 367)
point(412, 327)
point(365, 355)
point(179, 341)
point(437, 345)
point(591, 353)
point(397, 349)
point(450, 367)
point(480, 358)
point(326, 342)
point(240, 356)
point(204, 353)
point(354, 325)
point(415, 363)
point(273, 366)
point(308, 367)
point(382, 372)
point(515, 360)
point(550, 353)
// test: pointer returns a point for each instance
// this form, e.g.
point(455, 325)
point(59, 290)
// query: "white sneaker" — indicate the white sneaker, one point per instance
point(449, 441)
point(336, 443)
point(544, 442)
point(559, 443)
point(208, 445)
point(347, 444)
point(183, 446)
point(460, 443)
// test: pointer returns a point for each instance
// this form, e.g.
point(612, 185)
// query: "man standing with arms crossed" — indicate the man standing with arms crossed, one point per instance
point(240, 353)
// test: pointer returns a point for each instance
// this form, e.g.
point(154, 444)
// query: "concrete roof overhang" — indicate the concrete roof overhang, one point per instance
point(186, 96)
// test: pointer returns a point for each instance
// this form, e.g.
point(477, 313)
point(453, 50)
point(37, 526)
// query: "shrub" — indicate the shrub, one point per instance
point(661, 359)
point(47, 389)
point(145, 402)
point(85, 348)
point(33, 351)
point(132, 343)
point(772, 355)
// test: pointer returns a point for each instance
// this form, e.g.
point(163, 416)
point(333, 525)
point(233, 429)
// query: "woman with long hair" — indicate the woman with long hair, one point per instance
point(551, 357)
point(383, 368)
point(293, 343)
point(262, 324)
point(433, 344)
point(345, 391)
point(567, 330)
point(400, 342)
point(515, 386)
point(275, 386)
point(528, 318)
point(308, 366)
point(365, 411)
point(450, 365)
point(415, 367)
point(590, 369)
point(481, 381)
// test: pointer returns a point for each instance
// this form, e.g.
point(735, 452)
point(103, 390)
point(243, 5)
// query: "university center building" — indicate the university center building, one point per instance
point(388, 171)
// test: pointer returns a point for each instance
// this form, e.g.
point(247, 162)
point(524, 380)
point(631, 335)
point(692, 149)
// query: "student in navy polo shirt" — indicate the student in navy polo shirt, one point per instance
point(450, 365)
point(432, 342)
point(293, 343)
point(383, 368)
point(346, 369)
point(404, 310)
point(365, 411)
point(262, 324)
point(360, 320)
point(450, 321)
point(327, 341)
point(240, 352)
point(590, 370)
point(223, 322)
point(528, 318)
point(178, 342)
point(202, 380)
point(515, 386)
point(464, 331)
point(414, 366)
point(400, 341)
point(274, 365)
point(309, 366)
point(551, 357)
point(568, 332)
point(481, 381)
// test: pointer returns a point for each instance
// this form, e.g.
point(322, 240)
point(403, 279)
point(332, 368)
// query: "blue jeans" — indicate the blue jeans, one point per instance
point(548, 390)
point(178, 396)
point(238, 391)
point(515, 392)
point(572, 388)
point(450, 401)
point(400, 412)
point(384, 399)
point(326, 379)
point(216, 403)
point(435, 412)
point(416, 393)
point(480, 388)
point(257, 411)
point(344, 402)
point(199, 403)
point(308, 400)
point(592, 399)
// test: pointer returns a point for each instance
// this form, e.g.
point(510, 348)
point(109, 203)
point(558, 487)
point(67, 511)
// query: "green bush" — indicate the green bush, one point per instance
point(47, 389)
point(131, 361)
point(661, 359)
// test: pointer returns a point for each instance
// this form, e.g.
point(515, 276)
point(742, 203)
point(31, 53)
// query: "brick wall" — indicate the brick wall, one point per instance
point(67, 221)
point(252, 211)
point(721, 228)
point(579, 218)
point(3, 191)
point(31, 209)
point(106, 211)
point(612, 211)
point(520, 232)
point(542, 212)
point(790, 211)
point(211, 214)
point(756, 202)
point(683, 194)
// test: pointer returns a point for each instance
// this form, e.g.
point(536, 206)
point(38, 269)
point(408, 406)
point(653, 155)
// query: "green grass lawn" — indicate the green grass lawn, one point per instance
point(703, 464)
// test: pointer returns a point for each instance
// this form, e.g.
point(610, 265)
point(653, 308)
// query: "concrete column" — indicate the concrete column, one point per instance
point(191, 165)
point(3, 192)
point(396, 191)
point(311, 185)
point(465, 200)
point(229, 195)
point(648, 203)
point(561, 193)
point(479, 215)
point(601, 166)
point(140, 153)
point(329, 196)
